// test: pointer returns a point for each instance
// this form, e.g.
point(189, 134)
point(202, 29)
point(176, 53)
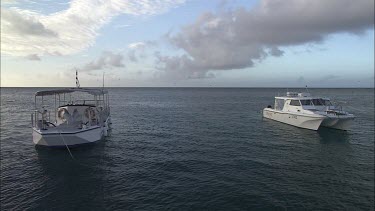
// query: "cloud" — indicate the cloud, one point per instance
point(107, 60)
point(25, 32)
point(8, 1)
point(136, 45)
point(180, 67)
point(237, 38)
point(33, 57)
point(14, 22)
point(276, 51)
point(138, 50)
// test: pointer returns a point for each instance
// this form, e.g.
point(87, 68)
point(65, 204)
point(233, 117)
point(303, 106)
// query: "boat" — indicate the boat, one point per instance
point(79, 116)
point(305, 111)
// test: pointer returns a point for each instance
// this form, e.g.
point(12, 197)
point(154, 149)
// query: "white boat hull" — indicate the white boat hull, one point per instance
point(339, 123)
point(57, 137)
point(311, 122)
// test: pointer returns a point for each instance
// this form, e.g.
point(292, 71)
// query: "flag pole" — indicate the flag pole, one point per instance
point(77, 81)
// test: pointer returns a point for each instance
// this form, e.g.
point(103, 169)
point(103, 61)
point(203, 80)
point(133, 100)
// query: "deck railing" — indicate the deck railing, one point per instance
point(39, 120)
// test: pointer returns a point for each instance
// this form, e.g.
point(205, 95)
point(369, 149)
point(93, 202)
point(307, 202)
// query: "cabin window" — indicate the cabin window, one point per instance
point(318, 102)
point(294, 103)
point(327, 102)
point(306, 102)
point(279, 104)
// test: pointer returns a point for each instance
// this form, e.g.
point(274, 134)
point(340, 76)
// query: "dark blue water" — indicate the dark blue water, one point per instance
point(192, 149)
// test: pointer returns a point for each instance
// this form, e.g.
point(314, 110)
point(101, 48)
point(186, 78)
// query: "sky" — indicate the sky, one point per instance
point(187, 43)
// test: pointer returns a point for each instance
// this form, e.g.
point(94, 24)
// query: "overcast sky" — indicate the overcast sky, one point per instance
point(237, 43)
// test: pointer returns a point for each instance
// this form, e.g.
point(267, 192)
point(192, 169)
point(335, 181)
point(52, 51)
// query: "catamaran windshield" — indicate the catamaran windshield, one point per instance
point(318, 102)
point(327, 102)
point(306, 102)
point(315, 102)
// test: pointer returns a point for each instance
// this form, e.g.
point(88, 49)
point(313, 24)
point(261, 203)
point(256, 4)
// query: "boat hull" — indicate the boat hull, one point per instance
point(339, 122)
point(57, 137)
point(311, 122)
point(63, 139)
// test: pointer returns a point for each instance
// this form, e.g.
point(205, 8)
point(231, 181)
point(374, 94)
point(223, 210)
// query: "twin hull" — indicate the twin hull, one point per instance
point(312, 122)
point(342, 123)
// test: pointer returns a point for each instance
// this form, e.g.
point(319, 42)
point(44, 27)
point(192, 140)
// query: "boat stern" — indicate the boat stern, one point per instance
point(62, 139)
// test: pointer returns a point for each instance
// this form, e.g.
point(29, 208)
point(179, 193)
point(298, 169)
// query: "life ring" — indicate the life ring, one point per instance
point(61, 112)
point(89, 112)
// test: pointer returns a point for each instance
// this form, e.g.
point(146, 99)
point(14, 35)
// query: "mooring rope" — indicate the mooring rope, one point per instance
point(71, 155)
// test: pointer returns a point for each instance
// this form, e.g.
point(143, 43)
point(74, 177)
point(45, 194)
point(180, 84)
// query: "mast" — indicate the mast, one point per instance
point(103, 91)
point(103, 80)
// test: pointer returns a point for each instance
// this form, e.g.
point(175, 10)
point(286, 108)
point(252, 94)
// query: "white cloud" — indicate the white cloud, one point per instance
point(139, 49)
point(236, 39)
point(136, 45)
point(107, 60)
point(15, 23)
point(8, 2)
point(69, 31)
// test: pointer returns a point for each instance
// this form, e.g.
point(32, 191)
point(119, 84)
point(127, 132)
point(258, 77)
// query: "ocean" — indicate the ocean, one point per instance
point(192, 149)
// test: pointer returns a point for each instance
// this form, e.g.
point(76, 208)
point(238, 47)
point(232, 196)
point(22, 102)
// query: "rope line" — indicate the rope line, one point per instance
point(71, 155)
point(66, 146)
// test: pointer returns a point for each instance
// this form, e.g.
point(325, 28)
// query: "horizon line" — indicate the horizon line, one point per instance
point(239, 87)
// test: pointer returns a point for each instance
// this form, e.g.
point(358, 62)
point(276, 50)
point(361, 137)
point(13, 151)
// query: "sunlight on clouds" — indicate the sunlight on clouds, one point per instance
point(26, 32)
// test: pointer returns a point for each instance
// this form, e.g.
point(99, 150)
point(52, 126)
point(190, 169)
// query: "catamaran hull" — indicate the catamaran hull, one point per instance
point(67, 139)
point(302, 121)
point(339, 123)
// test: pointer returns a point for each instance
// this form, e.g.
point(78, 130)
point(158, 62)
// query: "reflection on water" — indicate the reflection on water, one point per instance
point(84, 156)
point(64, 176)
point(329, 135)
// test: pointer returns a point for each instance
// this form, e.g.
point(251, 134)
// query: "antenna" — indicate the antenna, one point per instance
point(77, 81)
point(103, 79)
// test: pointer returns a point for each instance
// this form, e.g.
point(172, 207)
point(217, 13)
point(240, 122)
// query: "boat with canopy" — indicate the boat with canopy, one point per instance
point(71, 116)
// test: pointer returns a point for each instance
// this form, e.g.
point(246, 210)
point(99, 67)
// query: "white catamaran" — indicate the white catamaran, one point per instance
point(303, 110)
point(79, 116)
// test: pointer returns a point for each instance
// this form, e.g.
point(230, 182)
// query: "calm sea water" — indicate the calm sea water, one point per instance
point(192, 149)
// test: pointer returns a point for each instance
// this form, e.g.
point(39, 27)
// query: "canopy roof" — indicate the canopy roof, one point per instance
point(70, 90)
point(300, 98)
